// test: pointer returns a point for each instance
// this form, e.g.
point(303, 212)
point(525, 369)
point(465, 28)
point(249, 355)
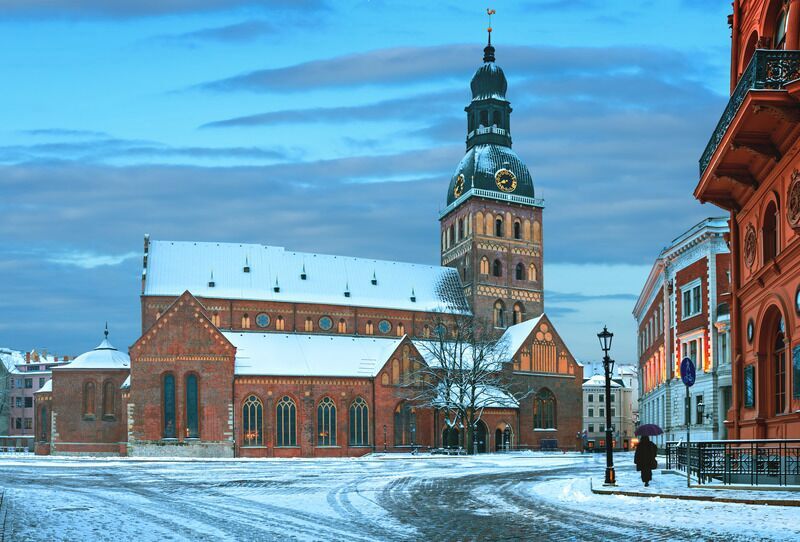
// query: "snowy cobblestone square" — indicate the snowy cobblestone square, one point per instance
point(491, 497)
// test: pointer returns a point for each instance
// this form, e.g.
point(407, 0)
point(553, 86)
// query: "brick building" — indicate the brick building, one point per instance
point(257, 351)
point(751, 168)
point(683, 311)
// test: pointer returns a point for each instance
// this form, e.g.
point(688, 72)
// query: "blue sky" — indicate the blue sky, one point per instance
point(334, 127)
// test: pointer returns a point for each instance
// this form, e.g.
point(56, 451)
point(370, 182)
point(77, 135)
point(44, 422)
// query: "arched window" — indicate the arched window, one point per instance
point(532, 273)
point(405, 424)
point(43, 424)
point(192, 419)
point(326, 423)
point(395, 372)
point(517, 230)
point(215, 319)
point(484, 266)
point(359, 423)
point(460, 229)
point(537, 232)
point(779, 369)
point(497, 119)
point(499, 314)
point(484, 118)
point(451, 235)
point(253, 422)
point(769, 232)
point(401, 329)
point(245, 321)
point(779, 39)
point(309, 324)
point(88, 399)
point(519, 272)
point(497, 268)
point(426, 331)
point(168, 405)
point(370, 328)
point(280, 325)
point(498, 227)
point(544, 410)
point(108, 399)
point(519, 313)
point(342, 326)
point(285, 422)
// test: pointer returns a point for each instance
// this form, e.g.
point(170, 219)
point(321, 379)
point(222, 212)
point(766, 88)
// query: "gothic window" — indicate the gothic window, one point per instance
point(499, 314)
point(309, 324)
point(395, 372)
point(342, 328)
point(532, 273)
point(192, 418)
point(405, 424)
point(359, 423)
point(769, 232)
point(370, 328)
point(484, 266)
point(168, 405)
point(498, 227)
point(519, 313)
point(497, 268)
point(517, 230)
point(286, 422)
point(544, 410)
point(215, 319)
point(88, 399)
point(426, 331)
point(280, 324)
point(108, 399)
point(401, 329)
point(497, 119)
point(519, 273)
point(253, 422)
point(246, 321)
point(326, 423)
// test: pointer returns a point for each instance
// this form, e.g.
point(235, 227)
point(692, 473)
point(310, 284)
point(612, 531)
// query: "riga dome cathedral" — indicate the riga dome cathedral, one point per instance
point(492, 225)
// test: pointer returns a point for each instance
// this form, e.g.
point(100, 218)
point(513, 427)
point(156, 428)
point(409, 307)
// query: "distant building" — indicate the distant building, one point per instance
point(682, 312)
point(623, 407)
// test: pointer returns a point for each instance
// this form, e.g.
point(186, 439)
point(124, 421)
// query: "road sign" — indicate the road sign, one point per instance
point(687, 371)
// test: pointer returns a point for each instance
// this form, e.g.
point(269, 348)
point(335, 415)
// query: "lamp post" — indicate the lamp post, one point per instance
point(384, 438)
point(605, 337)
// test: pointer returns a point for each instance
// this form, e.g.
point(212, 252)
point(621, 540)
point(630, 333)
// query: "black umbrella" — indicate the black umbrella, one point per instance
point(648, 429)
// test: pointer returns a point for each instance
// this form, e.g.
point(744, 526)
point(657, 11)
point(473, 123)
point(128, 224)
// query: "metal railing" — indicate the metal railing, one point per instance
point(750, 462)
point(768, 70)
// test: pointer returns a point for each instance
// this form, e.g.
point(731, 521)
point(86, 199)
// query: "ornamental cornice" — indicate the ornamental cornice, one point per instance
point(326, 381)
point(493, 246)
point(175, 358)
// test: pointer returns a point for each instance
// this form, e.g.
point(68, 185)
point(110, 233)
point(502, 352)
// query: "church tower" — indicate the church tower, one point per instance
point(491, 229)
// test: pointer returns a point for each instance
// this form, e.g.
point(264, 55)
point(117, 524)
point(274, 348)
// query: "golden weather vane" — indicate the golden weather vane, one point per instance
point(490, 12)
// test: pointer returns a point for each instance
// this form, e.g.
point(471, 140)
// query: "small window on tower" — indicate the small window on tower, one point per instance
point(517, 230)
point(497, 269)
point(484, 118)
point(496, 119)
point(484, 266)
point(498, 227)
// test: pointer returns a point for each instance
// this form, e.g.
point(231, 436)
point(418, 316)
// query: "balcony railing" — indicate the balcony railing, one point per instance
point(750, 462)
point(490, 194)
point(768, 70)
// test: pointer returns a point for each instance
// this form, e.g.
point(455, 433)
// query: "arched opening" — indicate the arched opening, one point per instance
point(749, 50)
point(497, 119)
point(309, 325)
point(769, 232)
point(544, 410)
point(779, 35)
point(168, 405)
point(484, 266)
point(109, 390)
point(484, 115)
point(370, 328)
point(503, 437)
point(537, 232)
point(497, 268)
point(532, 275)
point(342, 327)
point(460, 229)
point(192, 405)
point(326, 422)
point(517, 230)
point(451, 437)
point(285, 423)
point(245, 321)
point(89, 400)
point(43, 424)
point(498, 227)
point(519, 272)
point(519, 313)
point(359, 423)
point(480, 436)
point(771, 380)
point(253, 422)
point(499, 314)
point(280, 325)
point(405, 424)
point(451, 236)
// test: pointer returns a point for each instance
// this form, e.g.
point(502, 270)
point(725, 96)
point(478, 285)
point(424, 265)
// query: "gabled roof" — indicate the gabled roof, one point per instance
point(47, 388)
point(296, 354)
point(516, 335)
point(176, 266)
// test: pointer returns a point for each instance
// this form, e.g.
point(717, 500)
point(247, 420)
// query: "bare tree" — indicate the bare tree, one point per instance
point(463, 372)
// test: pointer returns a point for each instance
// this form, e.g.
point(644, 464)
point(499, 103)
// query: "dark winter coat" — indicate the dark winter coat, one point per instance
point(645, 456)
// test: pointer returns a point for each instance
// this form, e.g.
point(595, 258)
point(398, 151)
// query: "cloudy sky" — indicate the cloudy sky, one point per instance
point(334, 127)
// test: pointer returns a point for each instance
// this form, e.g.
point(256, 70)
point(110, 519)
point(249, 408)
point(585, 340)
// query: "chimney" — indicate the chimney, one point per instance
point(27, 357)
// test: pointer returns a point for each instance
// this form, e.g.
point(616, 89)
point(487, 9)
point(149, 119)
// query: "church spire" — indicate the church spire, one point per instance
point(488, 51)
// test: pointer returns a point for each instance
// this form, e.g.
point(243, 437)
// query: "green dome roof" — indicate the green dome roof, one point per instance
point(489, 82)
point(479, 167)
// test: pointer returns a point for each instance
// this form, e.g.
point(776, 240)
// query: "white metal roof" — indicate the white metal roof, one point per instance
point(176, 266)
point(105, 356)
point(47, 388)
point(296, 354)
point(599, 381)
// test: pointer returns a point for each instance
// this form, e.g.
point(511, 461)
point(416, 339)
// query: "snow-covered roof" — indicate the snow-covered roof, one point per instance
point(176, 266)
point(127, 384)
point(296, 354)
point(516, 335)
point(599, 380)
point(47, 388)
point(105, 356)
point(10, 358)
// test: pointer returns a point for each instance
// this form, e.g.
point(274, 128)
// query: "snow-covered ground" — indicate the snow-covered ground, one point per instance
point(492, 497)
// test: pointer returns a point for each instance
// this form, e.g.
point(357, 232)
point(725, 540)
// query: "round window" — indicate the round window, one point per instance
point(384, 326)
point(262, 320)
point(797, 300)
point(750, 330)
point(325, 323)
point(440, 330)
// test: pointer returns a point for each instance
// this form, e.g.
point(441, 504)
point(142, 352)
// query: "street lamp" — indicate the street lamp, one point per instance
point(605, 337)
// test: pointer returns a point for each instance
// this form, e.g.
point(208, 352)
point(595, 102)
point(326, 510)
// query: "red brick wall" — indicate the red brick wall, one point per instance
point(698, 269)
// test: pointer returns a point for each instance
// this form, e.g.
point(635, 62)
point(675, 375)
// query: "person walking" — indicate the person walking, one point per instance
point(645, 459)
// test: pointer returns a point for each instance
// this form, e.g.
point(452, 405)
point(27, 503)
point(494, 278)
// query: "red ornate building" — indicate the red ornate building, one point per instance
point(751, 168)
point(257, 351)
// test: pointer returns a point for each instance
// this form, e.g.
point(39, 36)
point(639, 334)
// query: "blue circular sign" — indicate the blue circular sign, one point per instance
point(262, 320)
point(688, 371)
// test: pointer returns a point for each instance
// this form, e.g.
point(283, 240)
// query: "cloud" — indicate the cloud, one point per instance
point(237, 33)
point(87, 259)
point(61, 132)
point(81, 9)
point(572, 297)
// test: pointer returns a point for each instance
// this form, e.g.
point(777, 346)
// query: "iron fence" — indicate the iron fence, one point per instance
point(751, 462)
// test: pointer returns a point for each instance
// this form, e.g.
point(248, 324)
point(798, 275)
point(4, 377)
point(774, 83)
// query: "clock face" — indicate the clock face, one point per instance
point(505, 180)
point(262, 320)
point(458, 189)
